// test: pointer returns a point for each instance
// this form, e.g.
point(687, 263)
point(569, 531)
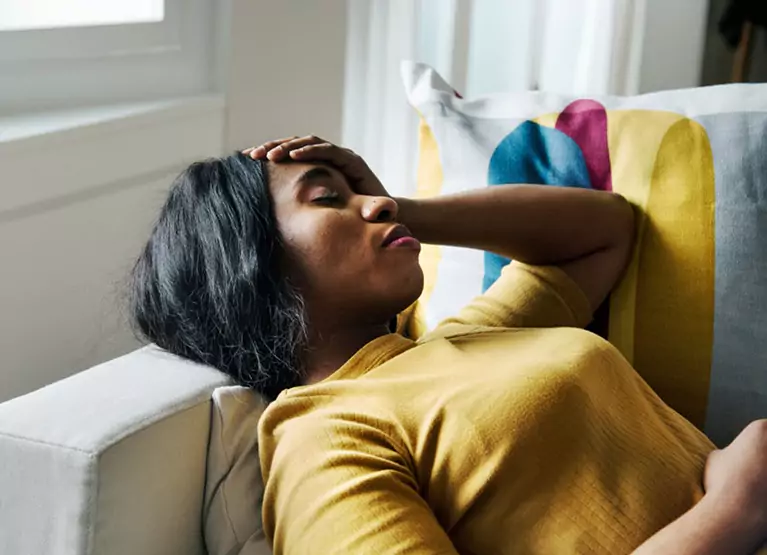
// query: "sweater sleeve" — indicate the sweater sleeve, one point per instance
point(340, 486)
point(527, 297)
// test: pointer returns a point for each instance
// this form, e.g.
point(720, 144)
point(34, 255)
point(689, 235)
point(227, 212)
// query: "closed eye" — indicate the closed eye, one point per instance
point(327, 198)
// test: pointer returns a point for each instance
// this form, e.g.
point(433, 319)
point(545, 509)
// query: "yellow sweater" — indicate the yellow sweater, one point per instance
point(502, 432)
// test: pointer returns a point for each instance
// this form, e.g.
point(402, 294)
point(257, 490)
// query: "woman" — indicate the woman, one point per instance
point(505, 430)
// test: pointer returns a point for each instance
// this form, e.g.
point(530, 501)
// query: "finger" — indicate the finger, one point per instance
point(262, 150)
point(344, 159)
point(282, 150)
point(258, 152)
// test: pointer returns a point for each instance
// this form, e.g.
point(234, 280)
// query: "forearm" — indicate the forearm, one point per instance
point(709, 528)
point(529, 223)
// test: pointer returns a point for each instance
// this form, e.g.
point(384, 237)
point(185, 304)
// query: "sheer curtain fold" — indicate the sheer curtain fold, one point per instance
point(480, 47)
point(378, 123)
point(591, 46)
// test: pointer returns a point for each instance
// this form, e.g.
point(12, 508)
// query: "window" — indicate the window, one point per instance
point(56, 54)
point(25, 15)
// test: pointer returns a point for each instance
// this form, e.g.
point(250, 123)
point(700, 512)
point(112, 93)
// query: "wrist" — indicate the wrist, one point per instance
point(407, 214)
point(736, 515)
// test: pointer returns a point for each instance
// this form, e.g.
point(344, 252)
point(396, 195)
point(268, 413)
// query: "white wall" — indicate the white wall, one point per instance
point(76, 206)
point(62, 281)
point(286, 70)
point(673, 45)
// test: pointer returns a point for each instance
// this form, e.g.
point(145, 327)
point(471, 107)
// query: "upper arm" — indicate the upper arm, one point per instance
point(346, 489)
point(529, 296)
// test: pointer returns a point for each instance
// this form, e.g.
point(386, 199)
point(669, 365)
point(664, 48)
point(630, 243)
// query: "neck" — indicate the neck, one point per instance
point(329, 351)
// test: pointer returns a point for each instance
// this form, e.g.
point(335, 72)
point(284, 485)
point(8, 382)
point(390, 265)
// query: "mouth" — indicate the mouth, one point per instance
point(400, 237)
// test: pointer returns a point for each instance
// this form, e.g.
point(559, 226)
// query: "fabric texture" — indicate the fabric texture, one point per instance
point(687, 312)
point(110, 461)
point(488, 435)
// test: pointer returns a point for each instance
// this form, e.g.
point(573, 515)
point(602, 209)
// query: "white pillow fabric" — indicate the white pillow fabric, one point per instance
point(233, 485)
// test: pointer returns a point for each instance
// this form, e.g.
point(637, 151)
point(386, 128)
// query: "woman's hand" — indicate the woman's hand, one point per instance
point(313, 149)
point(731, 519)
point(737, 475)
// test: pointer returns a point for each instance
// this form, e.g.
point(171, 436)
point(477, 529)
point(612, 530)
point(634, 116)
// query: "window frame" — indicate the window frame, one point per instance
point(101, 64)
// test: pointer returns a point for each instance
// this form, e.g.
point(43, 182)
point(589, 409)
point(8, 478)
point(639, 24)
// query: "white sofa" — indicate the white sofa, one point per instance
point(111, 461)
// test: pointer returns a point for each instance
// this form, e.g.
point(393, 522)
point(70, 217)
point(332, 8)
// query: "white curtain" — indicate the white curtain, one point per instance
point(581, 47)
point(591, 46)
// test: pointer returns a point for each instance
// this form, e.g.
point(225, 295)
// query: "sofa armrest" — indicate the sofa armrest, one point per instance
point(110, 461)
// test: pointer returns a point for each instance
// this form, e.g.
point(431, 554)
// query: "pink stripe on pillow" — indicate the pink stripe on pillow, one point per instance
point(585, 122)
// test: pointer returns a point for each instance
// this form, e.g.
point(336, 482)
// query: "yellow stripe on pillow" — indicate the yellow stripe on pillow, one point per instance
point(674, 327)
point(634, 137)
point(429, 184)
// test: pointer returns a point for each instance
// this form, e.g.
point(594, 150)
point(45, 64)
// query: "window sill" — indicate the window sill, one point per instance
point(55, 154)
point(36, 126)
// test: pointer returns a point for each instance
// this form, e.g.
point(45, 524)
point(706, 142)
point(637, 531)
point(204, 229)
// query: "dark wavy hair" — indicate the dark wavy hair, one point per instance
point(208, 285)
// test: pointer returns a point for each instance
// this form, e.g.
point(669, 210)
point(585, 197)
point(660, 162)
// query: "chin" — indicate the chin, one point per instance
point(395, 290)
point(409, 288)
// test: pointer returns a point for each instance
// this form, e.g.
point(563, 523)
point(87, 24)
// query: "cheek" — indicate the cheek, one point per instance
point(327, 245)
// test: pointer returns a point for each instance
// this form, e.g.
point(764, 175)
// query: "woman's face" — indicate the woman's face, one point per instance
point(340, 249)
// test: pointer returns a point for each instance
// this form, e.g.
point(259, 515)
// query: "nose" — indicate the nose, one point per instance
point(380, 209)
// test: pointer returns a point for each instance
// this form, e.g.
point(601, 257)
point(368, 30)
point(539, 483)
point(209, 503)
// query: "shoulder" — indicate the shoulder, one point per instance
point(527, 296)
point(327, 415)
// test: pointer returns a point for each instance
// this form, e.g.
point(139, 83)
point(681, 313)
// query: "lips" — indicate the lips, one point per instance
point(395, 234)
